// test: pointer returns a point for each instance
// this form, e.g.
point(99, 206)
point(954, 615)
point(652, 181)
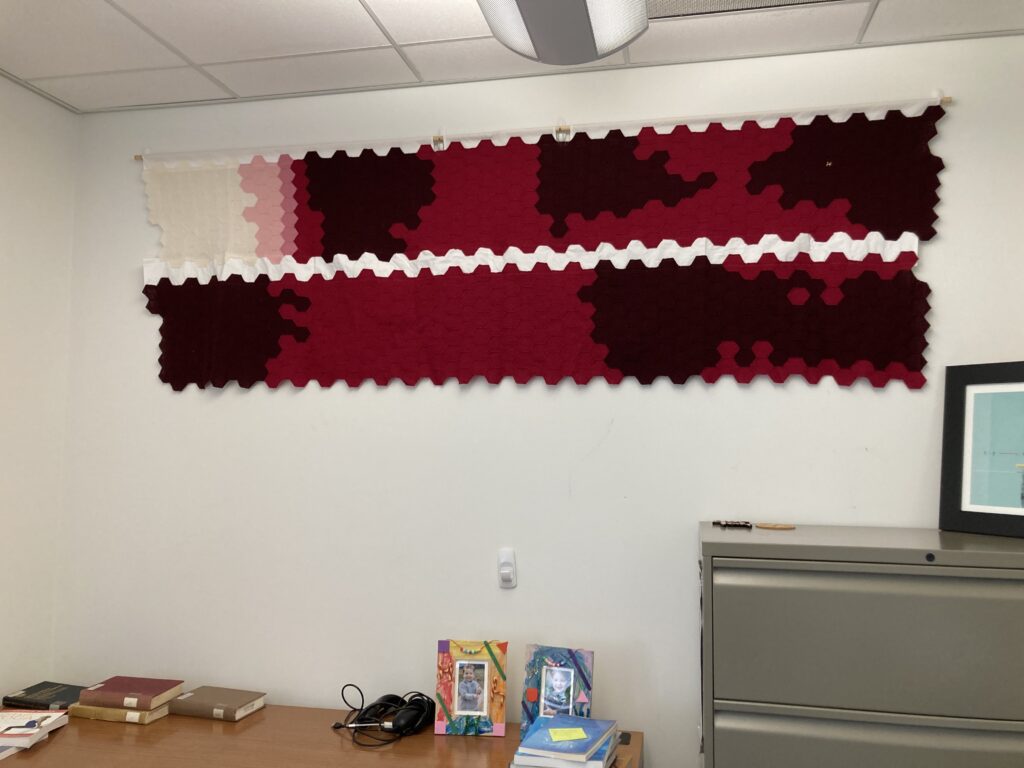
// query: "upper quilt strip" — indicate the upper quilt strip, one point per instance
point(857, 177)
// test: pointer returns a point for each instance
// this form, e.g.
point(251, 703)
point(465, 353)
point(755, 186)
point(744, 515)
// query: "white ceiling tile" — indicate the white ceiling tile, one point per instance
point(228, 30)
point(482, 59)
point(46, 38)
point(753, 33)
point(322, 72)
point(129, 89)
point(896, 20)
point(416, 21)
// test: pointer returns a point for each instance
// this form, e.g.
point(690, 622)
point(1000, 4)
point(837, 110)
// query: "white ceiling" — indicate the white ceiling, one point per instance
point(95, 55)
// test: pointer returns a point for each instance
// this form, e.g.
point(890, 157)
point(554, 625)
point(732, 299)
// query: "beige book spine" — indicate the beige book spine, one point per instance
point(117, 715)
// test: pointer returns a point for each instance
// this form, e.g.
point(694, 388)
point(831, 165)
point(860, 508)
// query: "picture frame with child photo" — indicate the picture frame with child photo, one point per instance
point(471, 687)
point(557, 681)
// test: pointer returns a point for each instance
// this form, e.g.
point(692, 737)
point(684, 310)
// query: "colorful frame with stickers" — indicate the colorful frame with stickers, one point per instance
point(557, 681)
point(471, 687)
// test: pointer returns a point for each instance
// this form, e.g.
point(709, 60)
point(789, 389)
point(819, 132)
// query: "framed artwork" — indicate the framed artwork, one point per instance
point(471, 687)
point(558, 681)
point(983, 450)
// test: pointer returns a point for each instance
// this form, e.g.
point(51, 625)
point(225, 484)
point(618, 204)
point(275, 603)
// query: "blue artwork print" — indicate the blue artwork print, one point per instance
point(996, 443)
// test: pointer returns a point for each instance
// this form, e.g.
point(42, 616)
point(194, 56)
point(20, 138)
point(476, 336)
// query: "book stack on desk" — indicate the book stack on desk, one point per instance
point(566, 741)
point(140, 700)
point(23, 729)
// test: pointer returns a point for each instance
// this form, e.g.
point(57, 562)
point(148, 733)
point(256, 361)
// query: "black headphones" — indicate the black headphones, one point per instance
point(387, 719)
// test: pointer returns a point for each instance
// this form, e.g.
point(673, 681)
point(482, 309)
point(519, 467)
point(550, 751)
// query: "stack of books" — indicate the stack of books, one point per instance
point(566, 741)
point(140, 700)
point(23, 729)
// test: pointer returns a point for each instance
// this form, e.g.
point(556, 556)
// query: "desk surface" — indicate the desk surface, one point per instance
point(275, 737)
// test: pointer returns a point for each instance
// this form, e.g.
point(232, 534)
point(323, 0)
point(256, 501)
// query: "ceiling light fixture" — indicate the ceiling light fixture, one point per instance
point(565, 31)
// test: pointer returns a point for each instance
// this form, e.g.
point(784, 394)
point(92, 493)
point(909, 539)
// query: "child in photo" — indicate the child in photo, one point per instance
point(470, 690)
point(557, 698)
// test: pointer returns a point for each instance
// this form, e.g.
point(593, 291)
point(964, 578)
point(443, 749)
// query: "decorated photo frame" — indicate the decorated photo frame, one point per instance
point(471, 687)
point(557, 681)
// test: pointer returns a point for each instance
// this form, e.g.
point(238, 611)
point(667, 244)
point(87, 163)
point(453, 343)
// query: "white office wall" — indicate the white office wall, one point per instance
point(37, 163)
point(295, 540)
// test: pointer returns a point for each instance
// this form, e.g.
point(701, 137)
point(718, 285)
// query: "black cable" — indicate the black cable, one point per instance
point(373, 715)
point(361, 737)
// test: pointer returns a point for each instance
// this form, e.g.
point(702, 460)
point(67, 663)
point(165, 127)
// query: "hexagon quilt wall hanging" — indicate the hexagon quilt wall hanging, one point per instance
point(773, 248)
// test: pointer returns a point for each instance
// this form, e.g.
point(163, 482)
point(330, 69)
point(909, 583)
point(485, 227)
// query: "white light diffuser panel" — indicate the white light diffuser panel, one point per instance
point(506, 22)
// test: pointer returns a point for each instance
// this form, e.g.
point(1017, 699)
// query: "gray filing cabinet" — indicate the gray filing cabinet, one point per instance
point(843, 647)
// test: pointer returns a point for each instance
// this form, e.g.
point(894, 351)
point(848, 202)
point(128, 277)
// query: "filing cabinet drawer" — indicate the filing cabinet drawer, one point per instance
point(946, 641)
point(750, 740)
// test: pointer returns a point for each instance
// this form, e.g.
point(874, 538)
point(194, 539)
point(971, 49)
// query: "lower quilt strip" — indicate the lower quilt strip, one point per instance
point(839, 317)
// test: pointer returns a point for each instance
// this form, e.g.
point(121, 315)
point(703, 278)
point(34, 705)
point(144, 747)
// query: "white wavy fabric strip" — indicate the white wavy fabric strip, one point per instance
point(911, 108)
point(155, 269)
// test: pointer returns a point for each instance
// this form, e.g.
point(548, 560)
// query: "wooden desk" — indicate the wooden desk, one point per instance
point(275, 737)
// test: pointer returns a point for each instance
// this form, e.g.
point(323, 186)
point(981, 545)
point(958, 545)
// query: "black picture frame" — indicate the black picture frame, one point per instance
point(952, 515)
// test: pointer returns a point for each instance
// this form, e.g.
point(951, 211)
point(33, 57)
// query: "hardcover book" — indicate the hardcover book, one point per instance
point(118, 714)
point(131, 692)
point(218, 703)
point(20, 728)
point(44, 695)
point(567, 737)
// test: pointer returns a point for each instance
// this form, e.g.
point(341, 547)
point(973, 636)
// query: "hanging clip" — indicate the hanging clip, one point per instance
point(437, 142)
point(563, 133)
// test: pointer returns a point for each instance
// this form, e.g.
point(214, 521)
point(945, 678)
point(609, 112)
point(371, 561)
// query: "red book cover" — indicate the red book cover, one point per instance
point(131, 692)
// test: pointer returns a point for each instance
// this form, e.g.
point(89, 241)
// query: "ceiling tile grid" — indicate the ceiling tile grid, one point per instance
point(93, 55)
point(905, 20)
point(421, 22)
point(753, 33)
point(89, 93)
point(316, 73)
point(52, 38)
point(209, 31)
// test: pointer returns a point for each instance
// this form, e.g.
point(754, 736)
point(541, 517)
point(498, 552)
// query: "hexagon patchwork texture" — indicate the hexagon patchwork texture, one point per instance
point(761, 250)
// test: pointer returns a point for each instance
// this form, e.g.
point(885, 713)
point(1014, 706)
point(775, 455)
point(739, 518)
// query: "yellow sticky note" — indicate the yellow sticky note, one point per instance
point(567, 734)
